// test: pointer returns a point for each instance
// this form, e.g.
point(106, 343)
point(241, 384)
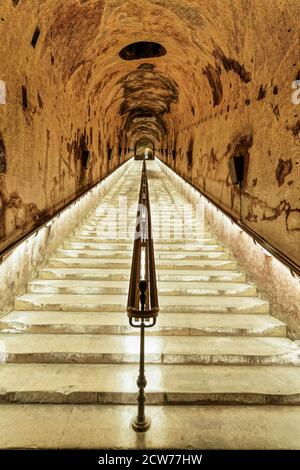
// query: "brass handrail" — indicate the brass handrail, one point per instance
point(143, 241)
point(142, 304)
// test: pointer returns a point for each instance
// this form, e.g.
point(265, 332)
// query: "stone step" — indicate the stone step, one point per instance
point(129, 238)
point(180, 229)
point(124, 246)
point(117, 323)
point(121, 287)
point(158, 221)
point(60, 262)
point(113, 230)
point(95, 254)
point(103, 349)
point(155, 199)
point(172, 210)
point(173, 219)
point(127, 223)
point(170, 384)
point(129, 246)
point(164, 227)
point(177, 199)
point(112, 303)
point(187, 275)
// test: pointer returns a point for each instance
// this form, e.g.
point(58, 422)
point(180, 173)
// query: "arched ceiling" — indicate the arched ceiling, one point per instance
point(212, 56)
point(82, 39)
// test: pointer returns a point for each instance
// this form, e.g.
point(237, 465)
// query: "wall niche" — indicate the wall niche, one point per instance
point(2, 155)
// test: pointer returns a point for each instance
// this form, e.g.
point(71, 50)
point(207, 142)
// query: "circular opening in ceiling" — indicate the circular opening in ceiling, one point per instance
point(142, 50)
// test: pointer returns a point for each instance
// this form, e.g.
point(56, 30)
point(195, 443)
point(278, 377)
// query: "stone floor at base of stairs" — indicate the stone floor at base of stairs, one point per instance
point(172, 427)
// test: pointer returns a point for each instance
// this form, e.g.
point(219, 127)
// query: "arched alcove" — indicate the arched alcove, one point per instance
point(2, 155)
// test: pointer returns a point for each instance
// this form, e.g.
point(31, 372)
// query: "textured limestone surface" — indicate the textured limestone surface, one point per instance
point(226, 86)
point(184, 427)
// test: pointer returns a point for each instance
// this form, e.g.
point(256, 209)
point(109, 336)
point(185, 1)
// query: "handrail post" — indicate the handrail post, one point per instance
point(141, 423)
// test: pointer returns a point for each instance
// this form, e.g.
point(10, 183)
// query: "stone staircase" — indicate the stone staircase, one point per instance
point(69, 341)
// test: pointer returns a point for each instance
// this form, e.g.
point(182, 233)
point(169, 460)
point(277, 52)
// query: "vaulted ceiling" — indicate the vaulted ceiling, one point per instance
point(203, 40)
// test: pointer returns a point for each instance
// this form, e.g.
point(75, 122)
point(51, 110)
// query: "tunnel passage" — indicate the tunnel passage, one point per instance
point(170, 72)
point(85, 85)
point(144, 148)
point(142, 50)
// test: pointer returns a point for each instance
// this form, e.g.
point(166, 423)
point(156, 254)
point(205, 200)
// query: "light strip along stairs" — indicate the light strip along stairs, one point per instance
point(68, 339)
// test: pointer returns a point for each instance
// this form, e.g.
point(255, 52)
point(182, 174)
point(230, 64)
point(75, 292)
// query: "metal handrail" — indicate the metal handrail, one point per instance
point(258, 239)
point(143, 242)
point(6, 251)
point(142, 305)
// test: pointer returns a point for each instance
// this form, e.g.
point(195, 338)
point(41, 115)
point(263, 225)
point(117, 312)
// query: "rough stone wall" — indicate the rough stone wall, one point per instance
point(248, 107)
point(46, 121)
point(223, 88)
